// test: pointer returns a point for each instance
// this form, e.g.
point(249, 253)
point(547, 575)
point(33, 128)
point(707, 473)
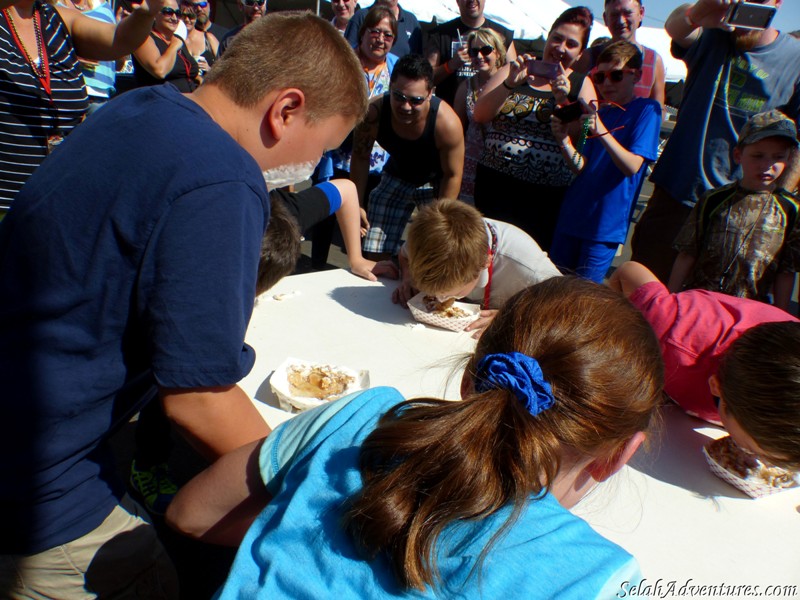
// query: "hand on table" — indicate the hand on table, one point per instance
point(386, 268)
point(404, 292)
point(364, 268)
point(481, 323)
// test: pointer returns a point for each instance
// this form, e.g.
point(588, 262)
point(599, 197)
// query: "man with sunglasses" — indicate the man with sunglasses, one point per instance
point(425, 142)
point(409, 32)
point(203, 11)
point(733, 73)
point(128, 276)
point(447, 47)
point(252, 10)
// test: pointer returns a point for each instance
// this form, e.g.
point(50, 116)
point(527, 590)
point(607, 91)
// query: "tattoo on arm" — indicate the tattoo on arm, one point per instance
point(364, 136)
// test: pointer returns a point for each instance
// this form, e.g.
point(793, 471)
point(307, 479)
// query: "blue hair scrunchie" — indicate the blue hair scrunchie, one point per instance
point(519, 374)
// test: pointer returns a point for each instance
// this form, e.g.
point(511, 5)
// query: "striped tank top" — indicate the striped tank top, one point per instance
point(27, 114)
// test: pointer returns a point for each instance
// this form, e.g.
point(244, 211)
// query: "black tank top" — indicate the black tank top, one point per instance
point(415, 161)
point(182, 75)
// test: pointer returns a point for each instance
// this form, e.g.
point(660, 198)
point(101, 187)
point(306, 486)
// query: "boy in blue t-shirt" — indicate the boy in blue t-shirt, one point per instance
point(621, 138)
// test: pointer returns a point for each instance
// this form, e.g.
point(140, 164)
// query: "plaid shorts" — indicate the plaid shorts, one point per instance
point(389, 209)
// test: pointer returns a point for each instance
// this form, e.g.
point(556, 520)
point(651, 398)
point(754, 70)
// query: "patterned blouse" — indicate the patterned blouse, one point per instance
point(519, 141)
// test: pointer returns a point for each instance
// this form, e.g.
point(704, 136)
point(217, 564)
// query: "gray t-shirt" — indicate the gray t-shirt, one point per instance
point(724, 88)
point(517, 263)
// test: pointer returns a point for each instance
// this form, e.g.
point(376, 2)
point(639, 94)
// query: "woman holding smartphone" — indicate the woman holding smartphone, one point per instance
point(521, 158)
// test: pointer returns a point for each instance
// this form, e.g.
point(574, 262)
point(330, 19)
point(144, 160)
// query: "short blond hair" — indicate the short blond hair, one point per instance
point(293, 50)
point(447, 246)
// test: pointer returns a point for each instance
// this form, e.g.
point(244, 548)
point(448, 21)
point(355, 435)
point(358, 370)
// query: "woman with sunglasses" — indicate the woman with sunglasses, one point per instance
point(42, 93)
point(488, 53)
point(164, 56)
point(203, 45)
point(521, 176)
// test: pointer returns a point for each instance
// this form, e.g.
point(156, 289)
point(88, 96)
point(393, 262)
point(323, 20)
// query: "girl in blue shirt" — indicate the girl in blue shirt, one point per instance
point(375, 497)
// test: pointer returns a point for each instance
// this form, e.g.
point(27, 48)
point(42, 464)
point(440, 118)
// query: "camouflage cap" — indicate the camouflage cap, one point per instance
point(767, 124)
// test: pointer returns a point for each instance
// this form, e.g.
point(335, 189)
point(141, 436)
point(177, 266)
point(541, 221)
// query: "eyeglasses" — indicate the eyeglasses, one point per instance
point(254, 2)
point(412, 100)
point(188, 14)
point(387, 35)
point(614, 75)
point(484, 51)
point(171, 12)
point(198, 4)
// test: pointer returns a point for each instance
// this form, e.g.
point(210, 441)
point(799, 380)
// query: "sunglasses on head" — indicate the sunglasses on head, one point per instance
point(170, 12)
point(254, 2)
point(387, 35)
point(484, 51)
point(614, 75)
point(412, 100)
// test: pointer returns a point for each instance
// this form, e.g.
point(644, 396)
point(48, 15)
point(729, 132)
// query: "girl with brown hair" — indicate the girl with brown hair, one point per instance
point(373, 497)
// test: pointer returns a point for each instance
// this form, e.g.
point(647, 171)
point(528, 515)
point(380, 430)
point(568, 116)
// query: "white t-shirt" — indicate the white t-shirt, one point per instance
point(517, 263)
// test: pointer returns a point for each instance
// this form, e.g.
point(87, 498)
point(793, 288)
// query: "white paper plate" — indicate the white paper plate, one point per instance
point(752, 486)
point(421, 314)
point(279, 383)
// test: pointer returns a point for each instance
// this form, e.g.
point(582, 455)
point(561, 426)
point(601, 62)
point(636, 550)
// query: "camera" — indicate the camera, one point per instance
point(749, 15)
point(544, 69)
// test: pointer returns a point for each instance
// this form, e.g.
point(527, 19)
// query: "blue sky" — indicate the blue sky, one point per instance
point(657, 11)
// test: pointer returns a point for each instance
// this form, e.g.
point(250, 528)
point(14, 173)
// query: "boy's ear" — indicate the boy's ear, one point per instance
point(602, 469)
point(737, 157)
point(637, 76)
point(714, 386)
point(282, 112)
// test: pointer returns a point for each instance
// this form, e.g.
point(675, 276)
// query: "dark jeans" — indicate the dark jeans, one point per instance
point(655, 232)
point(533, 208)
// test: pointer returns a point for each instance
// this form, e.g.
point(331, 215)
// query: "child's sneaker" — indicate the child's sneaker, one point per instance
point(154, 486)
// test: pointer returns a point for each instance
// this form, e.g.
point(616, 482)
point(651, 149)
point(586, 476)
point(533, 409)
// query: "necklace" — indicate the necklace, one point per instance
point(743, 245)
point(187, 67)
point(41, 71)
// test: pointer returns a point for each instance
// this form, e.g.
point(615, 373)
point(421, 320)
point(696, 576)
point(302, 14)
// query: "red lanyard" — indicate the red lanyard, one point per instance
point(487, 292)
point(186, 66)
point(44, 76)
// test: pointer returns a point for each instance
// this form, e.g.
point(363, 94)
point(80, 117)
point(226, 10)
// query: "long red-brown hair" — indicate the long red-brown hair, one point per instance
point(430, 462)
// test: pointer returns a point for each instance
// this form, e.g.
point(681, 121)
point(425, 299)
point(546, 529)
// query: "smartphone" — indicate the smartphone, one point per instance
point(749, 15)
point(569, 112)
point(543, 69)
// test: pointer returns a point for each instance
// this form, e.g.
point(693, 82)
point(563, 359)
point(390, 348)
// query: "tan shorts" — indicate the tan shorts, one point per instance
point(120, 559)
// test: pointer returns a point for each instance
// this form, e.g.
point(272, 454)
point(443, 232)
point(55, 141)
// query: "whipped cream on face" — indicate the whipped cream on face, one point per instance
point(284, 175)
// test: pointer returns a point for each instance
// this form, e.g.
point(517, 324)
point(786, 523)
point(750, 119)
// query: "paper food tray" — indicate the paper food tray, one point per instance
point(287, 401)
point(420, 313)
point(753, 487)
